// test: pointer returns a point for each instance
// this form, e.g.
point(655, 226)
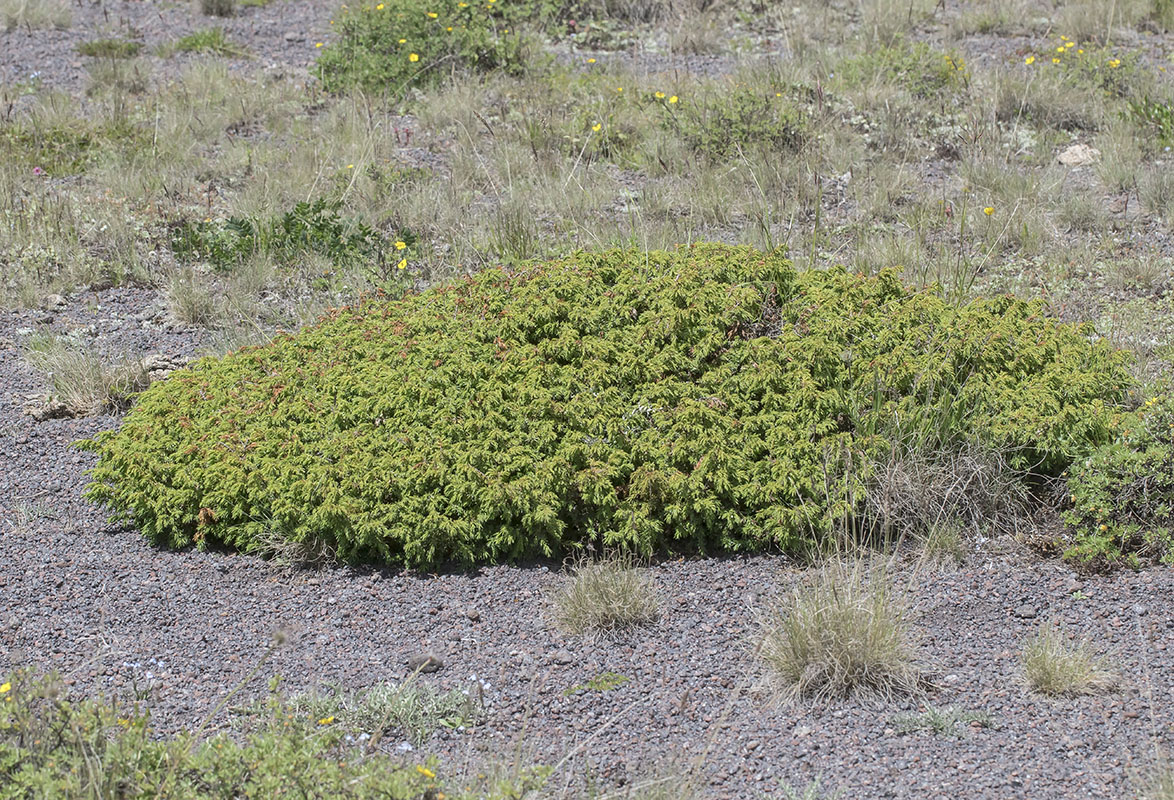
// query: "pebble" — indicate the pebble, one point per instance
point(425, 663)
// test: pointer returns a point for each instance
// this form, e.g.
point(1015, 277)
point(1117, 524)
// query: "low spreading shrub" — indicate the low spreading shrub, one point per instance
point(707, 399)
point(52, 746)
point(1122, 494)
point(720, 124)
point(388, 47)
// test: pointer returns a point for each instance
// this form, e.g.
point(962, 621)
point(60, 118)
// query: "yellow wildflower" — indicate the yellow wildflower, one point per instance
point(673, 99)
point(1116, 62)
point(1055, 60)
point(5, 687)
point(659, 95)
point(400, 245)
point(596, 127)
point(591, 61)
point(379, 7)
point(403, 262)
point(989, 210)
point(413, 57)
point(423, 770)
point(403, 41)
point(619, 88)
point(326, 720)
point(1070, 45)
point(1029, 60)
point(432, 15)
point(319, 44)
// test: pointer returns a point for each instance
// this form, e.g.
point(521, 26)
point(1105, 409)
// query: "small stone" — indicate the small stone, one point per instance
point(1025, 611)
point(425, 662)
point(294, 36)
point(53, 301)
point(1079, 155)
point(473, 614)
point(562, 657)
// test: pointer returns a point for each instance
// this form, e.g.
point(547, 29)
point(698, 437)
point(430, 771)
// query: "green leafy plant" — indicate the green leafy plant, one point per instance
point(397, 44)
point(1122, 493)
point(54, 746)
point(314, 227)
point(707, 399)
point(1154, 118)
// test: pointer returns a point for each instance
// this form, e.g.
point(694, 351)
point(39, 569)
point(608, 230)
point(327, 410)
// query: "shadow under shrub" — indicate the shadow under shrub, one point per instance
point(699, 400)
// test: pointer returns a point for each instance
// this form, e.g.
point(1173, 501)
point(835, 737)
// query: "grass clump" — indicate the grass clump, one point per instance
point(110, 48)
point(82, 382)
point(708, 399)
point(211, 41)
point(1055, 667)
point(1157, 783)
point(841, 633)
point(53, 746)
point(606, 595)
point(404, 43)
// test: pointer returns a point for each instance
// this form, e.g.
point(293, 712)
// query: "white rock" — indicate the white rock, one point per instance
point(1079, 155)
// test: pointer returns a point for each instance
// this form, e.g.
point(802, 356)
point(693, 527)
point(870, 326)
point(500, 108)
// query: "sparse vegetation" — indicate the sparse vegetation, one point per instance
point(1056, 666)
point(841, 631)
point(210, 40)
point(948, 721)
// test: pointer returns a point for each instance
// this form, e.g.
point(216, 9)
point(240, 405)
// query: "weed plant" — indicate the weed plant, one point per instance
point(81, 380)
point(109, 48)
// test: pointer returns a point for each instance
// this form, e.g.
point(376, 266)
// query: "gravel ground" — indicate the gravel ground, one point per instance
point(98, 603)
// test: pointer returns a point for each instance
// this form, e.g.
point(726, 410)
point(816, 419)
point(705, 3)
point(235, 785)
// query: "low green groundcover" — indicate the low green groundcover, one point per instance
point(708, 399)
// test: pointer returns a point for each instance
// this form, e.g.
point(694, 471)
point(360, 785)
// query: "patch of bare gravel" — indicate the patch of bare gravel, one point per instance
point(280, 34)
point(115, 615)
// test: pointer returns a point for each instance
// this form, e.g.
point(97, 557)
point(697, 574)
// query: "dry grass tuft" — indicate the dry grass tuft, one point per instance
point(839, 634)
point(1158, 782)
point(82, 381)
point(32, 14)
point(1055, 667)
point(606, 595)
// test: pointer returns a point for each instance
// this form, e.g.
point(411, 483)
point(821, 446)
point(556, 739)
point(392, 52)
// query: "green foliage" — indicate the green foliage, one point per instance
point(389, 47)
point(51, 746)
point(710, 398)
point(718, 124)
point(1154, 118)
point(309, 228)
point(109, 48)
point(1122, 494)
point(914, 66)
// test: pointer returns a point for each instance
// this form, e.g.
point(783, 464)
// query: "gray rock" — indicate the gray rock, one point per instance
point(1025, 611)
point(425, 662)
point(562, 657)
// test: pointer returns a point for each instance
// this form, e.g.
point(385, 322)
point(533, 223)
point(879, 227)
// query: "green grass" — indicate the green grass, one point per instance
point(211, 40)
